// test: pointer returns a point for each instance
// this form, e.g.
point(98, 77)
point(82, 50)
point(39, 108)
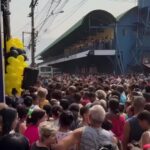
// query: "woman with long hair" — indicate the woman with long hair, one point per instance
point(8, 120)
point(118, 120)
point(33, 121)
point(65, 121)
point(22, 116)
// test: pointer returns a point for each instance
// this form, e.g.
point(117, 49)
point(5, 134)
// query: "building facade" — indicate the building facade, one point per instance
point(101, 43)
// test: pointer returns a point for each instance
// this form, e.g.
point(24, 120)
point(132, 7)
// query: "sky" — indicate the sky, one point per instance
point(57, 23)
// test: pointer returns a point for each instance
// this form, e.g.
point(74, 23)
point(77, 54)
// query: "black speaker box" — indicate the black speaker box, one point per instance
point(30, 77)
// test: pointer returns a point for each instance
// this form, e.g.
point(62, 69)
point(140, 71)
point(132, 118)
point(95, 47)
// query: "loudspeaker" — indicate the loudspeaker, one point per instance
point(30, 77)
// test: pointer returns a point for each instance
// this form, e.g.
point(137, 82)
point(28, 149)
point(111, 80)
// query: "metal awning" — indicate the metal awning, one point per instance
point(147, 65)
point(81, 55)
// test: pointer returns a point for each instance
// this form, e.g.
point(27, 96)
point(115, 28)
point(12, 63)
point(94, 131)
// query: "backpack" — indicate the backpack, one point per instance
point(106, 147)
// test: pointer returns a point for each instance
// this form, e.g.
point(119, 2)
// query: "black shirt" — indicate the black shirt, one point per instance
point(35, 147)
point(136, 130)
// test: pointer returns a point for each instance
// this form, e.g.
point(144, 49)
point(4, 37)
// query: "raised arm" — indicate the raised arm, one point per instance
point(67, 142)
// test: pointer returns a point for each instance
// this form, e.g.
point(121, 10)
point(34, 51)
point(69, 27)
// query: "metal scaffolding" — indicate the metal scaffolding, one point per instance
point(143, 29)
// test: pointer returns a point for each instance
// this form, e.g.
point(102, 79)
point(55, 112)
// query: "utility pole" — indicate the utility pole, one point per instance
point(33, 42)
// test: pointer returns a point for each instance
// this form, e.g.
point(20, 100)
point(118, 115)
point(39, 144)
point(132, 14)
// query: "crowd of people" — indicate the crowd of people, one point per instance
point(95, 42)
point(78, 112)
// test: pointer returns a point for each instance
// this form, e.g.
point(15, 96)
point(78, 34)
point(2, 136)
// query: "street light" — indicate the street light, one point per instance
point(51, 14)
point(55, 13)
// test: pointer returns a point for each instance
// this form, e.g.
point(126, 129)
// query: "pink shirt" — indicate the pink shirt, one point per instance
point(32, 133)
point(146, 146)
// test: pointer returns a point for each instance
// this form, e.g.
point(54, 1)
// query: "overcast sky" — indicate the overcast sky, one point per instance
point(73, 11)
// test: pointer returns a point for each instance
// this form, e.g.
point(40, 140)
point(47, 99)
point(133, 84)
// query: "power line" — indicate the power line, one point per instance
point(62, 6)
point(59, 11)
point(37, 15)
point(46, 12)
point(49, 11)
point(76, 8)
point(49, 15)
point(43, 8)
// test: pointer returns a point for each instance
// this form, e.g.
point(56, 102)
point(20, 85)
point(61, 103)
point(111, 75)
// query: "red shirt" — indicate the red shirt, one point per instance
point(32, 133)
point(84, 102)
point(118, 123)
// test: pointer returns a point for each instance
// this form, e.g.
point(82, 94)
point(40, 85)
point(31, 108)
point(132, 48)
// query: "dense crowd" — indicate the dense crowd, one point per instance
point(95, 42)
point(72, 112)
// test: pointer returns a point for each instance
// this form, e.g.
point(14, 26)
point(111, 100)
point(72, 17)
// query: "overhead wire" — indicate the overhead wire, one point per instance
point(50, 10)
point(49, 13)
point(46, 11)
point(73, 11)
point(54, 16)
point(46, 4)
point(37, 15)
point(40, 13)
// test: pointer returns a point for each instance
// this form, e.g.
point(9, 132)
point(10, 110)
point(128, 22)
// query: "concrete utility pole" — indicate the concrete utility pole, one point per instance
point(33, 35)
